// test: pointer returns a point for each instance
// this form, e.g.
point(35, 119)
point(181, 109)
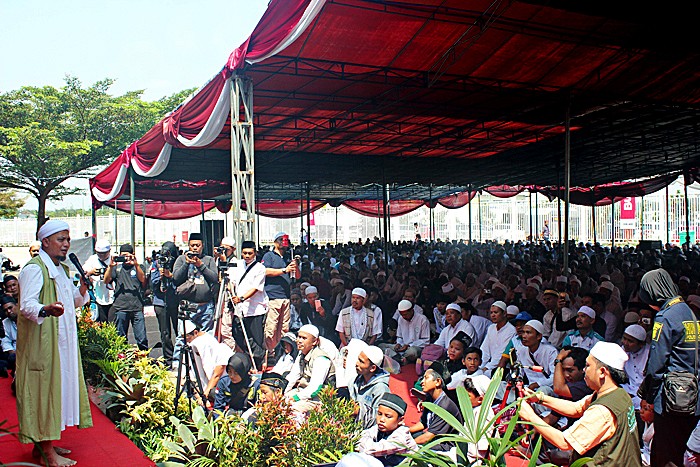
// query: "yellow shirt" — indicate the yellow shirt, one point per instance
point(597, 424)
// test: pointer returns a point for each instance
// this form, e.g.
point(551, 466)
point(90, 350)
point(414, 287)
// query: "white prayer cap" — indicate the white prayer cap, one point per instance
point(636, 331)
point(51, 227)
point(310, 289)
point(512, 310)
point(684, 278)
point(374, 354)
point(492, 279)
point(305, 284)
point(610, 354)
point(309, 329)
point(498, 285)
point(189, 326)
point(562, 279)
point(604, 277)
point(588, 311)
point(536, 325)
point(631, 317)
point(537, 278)
point(228, 241)
point(574, 279)
point(102, 246)
point(454, 306)
point(337, 281)
point(447, 287)
point(406, 305)
point(607, 285)
point(481, 383)
point(359, 291)
point(280, 235)
point(534, 285)
point(500, 304)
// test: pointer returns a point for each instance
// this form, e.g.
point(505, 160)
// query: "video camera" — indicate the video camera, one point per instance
point(220, 250)
point(165, 259)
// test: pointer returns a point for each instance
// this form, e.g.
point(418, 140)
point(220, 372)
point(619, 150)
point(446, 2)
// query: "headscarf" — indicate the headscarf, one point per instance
point(241, 363)
point(656, 287)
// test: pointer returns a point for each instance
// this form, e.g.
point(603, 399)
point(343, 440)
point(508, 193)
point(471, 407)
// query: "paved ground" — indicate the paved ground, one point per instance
point(152, 332)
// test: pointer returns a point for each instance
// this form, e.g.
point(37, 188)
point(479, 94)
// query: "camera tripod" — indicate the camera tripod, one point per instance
point(187, 385)
point(224, 304)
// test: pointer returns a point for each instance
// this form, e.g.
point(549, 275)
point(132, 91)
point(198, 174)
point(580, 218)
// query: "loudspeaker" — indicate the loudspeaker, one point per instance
point(213, 232)
point(645, 245)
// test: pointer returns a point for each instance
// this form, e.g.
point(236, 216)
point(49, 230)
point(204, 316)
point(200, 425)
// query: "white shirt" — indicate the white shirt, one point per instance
point(416, 309)
point(9, 342)
point(634, 367)
point(545, 356)
point(255, 279)
point(495, 343)
point(30, 284)
point(460, 376)
point(415, 333)
point(449, 332)
point(610, 325)
point(553, 335)
point(104, 293)
point(480, 325)
point(208, 354)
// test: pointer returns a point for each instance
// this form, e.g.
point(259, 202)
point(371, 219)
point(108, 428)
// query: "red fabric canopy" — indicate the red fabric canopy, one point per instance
point(505, 191)
point(286, 209)
point(373, 208)
point(166, 210)
point(457, 200)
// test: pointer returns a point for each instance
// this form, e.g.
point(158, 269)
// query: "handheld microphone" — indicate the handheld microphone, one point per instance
point(74, 259)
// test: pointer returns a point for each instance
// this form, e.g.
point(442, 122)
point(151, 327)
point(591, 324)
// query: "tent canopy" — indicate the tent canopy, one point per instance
point(448, 94)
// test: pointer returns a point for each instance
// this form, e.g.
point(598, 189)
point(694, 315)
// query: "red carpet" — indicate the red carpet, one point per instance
point(102, 445)
point(401, 385)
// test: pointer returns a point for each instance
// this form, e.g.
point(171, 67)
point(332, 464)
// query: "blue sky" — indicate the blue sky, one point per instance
point(161, 47)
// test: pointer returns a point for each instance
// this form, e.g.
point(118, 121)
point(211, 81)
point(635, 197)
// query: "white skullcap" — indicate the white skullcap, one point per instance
point(492, 279)
point(447, 287)
point(512, 310)
point(574, 279)
point(631, 317)
point(102, 246)
point(481, 383)
point(310, 289)
point(604, 277)
point(607, 285)
point(51, 227)
point(305, 284)
point(280, 234)
point(374, 354)
point(693, 300)
point(337, 281)
point(537, 278)
point(359, 291)
point(636, 331)
point(684, 278)
point(561, 279)
point(228, 241)
point(454, 306)
point(309, 329)
point(588, 311)
point(534, 285)
point(500, 304)
point(611, 354)
point(189, 326)
point(406, 305)
point(536, 325)
point(498, 285)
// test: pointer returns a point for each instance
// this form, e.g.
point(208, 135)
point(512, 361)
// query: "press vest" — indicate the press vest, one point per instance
point(346, 316)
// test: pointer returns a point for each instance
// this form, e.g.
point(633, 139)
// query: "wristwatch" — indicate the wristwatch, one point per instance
point(557, 360)
point(42, 313)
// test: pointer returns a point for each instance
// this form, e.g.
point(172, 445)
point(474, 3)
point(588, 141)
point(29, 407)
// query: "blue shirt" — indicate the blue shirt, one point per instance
point(278, 286)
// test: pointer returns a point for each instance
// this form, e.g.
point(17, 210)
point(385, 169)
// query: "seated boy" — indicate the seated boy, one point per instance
point(472, 364)
point(271, 389)
point(476, 387)
point(389, 438)
point(431, 425)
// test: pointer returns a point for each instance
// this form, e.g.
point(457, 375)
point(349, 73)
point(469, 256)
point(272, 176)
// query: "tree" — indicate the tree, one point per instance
point(48, 135)
point(10, 204)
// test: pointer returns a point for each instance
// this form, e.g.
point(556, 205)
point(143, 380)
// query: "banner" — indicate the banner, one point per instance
point(628, 213)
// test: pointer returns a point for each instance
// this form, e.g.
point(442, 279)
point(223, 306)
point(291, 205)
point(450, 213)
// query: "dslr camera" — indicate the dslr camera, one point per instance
point(220, 250)
point(164, 259)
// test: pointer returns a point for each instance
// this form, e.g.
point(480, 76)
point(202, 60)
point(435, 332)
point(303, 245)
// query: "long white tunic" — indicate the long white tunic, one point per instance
point(30, 284)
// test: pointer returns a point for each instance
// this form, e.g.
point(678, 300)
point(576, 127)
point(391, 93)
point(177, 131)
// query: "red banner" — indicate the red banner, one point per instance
point(628, 213)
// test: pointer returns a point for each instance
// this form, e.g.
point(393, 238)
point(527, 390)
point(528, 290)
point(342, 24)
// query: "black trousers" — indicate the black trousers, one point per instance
point(255, 328)
point(671, 434)
point(103, 313)
point(167, 323)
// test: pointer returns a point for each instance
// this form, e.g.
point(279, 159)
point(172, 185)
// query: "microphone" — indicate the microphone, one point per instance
point(74, 259)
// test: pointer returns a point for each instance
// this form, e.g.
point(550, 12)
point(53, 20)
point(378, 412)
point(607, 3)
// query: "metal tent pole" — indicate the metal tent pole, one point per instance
point(558, 208)
point(204, 228)
point(641, 213)
point(537, 215)
point(116, 238)
point(131, 206)
point(431, 221)
point(668, 223)
point(301, 219)
point(93, 221)
point(567, 187)
point(612, 224)
point(308, 215)
point(481, 240)
point(336, 225)
point(530, 202)
point(469, 194)
point(143, 227)
point(595, 237)
point(687, 214)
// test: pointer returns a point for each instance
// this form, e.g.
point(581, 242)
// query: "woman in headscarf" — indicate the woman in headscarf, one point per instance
point(674, 343)
point(234, 391)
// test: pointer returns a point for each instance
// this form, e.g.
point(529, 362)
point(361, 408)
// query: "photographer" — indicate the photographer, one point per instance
point(95, 268)
point(129, 285)
point(165, 300)
point(195, 274)
point(225, 258)
point(225, 251)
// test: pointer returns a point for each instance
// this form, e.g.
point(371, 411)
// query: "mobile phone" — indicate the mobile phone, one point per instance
point(120, 259)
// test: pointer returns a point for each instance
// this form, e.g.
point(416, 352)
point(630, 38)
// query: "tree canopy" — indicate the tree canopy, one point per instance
point(10, 203)
point(48, 135)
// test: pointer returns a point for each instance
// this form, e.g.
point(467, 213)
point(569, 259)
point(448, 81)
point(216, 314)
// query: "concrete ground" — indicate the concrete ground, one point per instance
point(152, 332)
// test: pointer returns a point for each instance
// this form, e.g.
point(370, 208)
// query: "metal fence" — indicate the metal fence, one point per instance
point(492, 218)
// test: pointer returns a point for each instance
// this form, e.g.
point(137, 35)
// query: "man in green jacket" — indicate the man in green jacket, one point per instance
point(51, 390)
